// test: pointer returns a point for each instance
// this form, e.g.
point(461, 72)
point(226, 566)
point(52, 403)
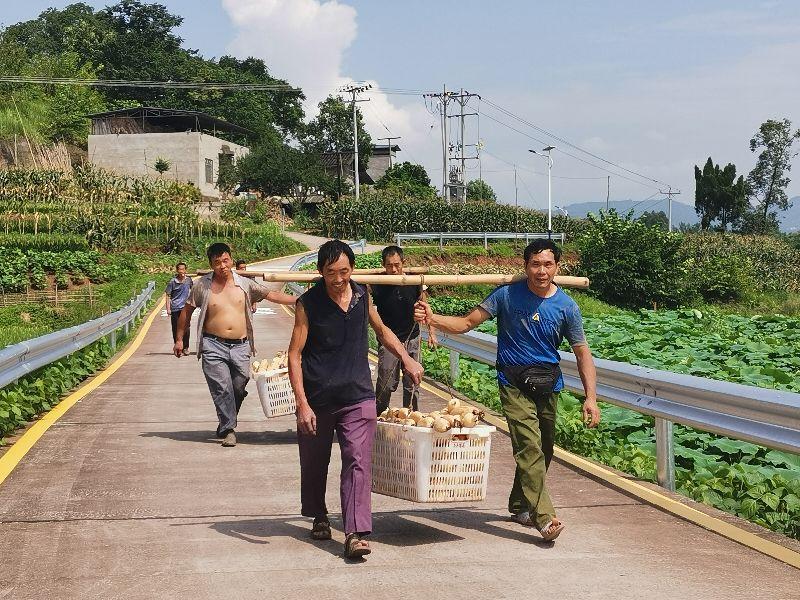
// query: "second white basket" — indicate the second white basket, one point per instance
point(422, 465)
point(275, 392)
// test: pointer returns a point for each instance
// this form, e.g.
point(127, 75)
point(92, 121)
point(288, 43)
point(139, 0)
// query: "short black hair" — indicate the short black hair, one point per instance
point(240, 262)
point(537, 246)
point(391, 251)
point(179, 264)
point(217, 249)
point(330, 252)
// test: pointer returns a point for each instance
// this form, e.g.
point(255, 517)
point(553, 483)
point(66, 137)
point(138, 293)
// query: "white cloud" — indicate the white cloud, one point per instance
point(658, 124)
point(304, 41)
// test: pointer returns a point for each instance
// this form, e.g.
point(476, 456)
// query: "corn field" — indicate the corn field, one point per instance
point(109, 210)
point(376, 218)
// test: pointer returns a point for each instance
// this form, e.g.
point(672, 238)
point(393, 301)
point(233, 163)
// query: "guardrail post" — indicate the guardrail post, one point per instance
point(397, 239)
point(454, 356)
point(485, 241)
point(665, 456)
point(526, 240)
point(112, 340)
point(441, 240)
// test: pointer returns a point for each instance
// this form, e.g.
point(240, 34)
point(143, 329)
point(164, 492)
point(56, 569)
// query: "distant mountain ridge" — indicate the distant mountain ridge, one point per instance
point(681, 213)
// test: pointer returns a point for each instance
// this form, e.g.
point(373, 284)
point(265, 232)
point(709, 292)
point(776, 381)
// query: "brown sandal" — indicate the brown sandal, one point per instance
point(355, 547)
point(321, 530)
point(551, 531)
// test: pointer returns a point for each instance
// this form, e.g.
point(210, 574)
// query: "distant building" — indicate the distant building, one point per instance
point(129, 141)
point(340, 164)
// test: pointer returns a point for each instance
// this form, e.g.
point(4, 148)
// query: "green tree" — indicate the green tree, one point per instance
point(655, 219)
point(276, 169)
point(630, 264)
point(409, 179)
point(719, 195)
point(46, 113)
point(137, 40)
point(332, 130)
point(753, 222)
point(768, 179)
point(161, 165)
point(478, 189)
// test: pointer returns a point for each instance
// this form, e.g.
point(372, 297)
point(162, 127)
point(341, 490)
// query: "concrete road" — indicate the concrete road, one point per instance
point(131, 496)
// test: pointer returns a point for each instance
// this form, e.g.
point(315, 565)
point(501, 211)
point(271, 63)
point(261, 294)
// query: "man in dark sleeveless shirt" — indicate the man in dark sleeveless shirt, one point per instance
point(395, 304)
point(330, 375)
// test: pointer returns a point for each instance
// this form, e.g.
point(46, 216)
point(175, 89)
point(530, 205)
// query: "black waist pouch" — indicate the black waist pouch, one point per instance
point(533, 380)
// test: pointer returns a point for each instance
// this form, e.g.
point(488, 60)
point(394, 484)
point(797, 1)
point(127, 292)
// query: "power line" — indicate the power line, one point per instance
point(181, 85)
point(511, 127)
point(527, 189)
point(514, 170)
point(570, 144)
point(645, 200)
point(375, 114)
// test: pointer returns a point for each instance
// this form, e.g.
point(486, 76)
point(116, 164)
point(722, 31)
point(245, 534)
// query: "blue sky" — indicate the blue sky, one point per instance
point(654, 88)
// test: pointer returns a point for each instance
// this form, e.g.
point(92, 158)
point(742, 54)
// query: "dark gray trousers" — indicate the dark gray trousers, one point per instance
point(389, 376)
point(227, 370)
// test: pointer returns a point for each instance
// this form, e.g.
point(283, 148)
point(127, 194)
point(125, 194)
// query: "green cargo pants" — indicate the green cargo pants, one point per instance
point(532, 426)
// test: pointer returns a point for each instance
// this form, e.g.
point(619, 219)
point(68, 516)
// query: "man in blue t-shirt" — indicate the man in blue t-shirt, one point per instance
point(533, 317)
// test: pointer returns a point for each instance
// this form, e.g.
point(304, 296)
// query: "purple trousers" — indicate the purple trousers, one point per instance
point(355, 429)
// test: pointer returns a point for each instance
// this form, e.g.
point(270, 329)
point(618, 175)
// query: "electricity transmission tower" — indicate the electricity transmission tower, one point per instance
point(453, 177)
point(458, 173)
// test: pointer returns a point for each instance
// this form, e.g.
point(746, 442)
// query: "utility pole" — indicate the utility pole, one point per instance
point(459, 176)
point(516, 203)
point(669, 194)
point(549, 158)
point(354, 90)
point(463, 164)
point(389, 141)
point(441, 100)
point(608, 191)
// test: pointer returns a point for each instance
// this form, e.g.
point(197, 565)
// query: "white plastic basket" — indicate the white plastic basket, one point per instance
point(422, 465)
point(275, 392)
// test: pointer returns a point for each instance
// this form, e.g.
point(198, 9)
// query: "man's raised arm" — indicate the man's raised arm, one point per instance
point(424, 314)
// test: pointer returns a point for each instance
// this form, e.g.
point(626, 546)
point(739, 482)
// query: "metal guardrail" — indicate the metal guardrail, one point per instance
point(476, 235)
point(762, 416)
point(19, 360)
point(296, 288)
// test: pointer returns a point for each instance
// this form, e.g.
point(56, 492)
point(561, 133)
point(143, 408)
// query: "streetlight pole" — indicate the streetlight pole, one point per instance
point(549, 158)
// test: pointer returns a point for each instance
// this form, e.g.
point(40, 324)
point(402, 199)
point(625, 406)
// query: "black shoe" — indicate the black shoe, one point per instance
point(321, 530)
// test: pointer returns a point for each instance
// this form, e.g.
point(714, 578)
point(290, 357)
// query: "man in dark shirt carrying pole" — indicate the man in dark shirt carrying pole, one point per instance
point(395, 304)
point(533, 317)
point(330, 376)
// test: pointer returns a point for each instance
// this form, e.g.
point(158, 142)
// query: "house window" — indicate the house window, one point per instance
point(209, 170)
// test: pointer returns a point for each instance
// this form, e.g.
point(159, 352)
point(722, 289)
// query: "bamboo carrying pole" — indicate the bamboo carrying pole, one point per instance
point(485, 278)
point(377, 271)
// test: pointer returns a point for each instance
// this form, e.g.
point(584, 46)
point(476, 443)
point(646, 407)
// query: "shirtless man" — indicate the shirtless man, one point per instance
point(225, 333)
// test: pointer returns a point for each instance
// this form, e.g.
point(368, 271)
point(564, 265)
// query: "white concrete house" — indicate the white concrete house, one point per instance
point(129, 141)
